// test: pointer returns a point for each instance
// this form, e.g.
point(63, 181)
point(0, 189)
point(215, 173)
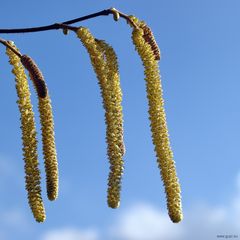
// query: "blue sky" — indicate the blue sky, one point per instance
point(199, 42)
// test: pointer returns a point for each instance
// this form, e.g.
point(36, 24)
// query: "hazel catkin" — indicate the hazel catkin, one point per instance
point(36, 75)
point(147, 36)
point(159, 129)
point(49, 146)
point(104, 63)
point(32, 173)
point(47, 126)
point(114, 123)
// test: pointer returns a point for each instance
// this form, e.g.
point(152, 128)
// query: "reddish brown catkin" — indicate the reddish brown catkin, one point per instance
point(36, 75)
point(47, 123)
point(149, 38)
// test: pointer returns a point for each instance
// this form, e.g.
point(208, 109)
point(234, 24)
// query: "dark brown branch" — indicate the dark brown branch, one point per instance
point(64, 25)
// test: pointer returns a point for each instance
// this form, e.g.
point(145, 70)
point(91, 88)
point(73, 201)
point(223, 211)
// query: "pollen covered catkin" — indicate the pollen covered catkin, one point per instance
point(159, 129)
point(49, 147)
point(29, 140)
point(104, 63)
point(47, 126)
point(114, 122)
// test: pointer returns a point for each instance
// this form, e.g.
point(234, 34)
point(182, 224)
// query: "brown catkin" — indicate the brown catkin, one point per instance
point(104, 63)
point(29, 140)
point(159, 129)
point(36, 75)
point(47, 126)
point(148, 36)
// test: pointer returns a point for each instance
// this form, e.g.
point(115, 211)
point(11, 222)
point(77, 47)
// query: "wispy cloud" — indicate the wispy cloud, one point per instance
point(70, 234)
point(144, 222)
point(14, 221)
point(201, 221)
point(10, 172)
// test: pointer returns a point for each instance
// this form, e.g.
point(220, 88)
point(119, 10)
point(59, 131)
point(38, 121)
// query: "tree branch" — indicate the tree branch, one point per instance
point(64, 25)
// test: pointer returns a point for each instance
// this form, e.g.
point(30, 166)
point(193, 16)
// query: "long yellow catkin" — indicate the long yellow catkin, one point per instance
point(107, 73)
point(159, 125)
point(114, 122)
point(29, 140)
point(49, 147)
point(47, 126)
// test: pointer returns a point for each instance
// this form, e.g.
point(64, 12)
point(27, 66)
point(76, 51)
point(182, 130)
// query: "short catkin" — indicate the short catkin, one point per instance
point(36, 75)
point(47, 126)
point(29, 140)
point(159, 129)
point(148, 37)
point(104, 63)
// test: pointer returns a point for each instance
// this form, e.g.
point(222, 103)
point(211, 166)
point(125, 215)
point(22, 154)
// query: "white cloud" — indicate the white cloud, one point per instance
point(7, 167)
point(201, 221)
point(12, 221)
point(10, 173)
point(70, 234)
point(143, 221)
point(14, 218)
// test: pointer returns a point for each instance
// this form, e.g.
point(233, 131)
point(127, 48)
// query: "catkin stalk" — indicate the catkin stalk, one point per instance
point(104, 62)
point(29, 140)
point(159, 129)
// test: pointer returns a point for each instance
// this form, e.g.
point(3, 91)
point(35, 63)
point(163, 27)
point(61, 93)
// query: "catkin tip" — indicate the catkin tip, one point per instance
point(35, 75)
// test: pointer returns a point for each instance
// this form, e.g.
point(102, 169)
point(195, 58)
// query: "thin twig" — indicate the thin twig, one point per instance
point(65, 25)
point(128, 19)
point(8, 45)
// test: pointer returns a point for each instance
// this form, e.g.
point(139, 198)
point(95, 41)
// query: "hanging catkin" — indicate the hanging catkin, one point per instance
point(104, 63)
point(159, 129)
point(47, 126)
point(49, 148)
point(29, 140)
point(114, 122)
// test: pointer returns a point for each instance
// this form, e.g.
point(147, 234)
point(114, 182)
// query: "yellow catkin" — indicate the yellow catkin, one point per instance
point(159, 126)
point(29, 140)
point(47, 127)
point(114, 122)
point(104, 62)
point(49, 147)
